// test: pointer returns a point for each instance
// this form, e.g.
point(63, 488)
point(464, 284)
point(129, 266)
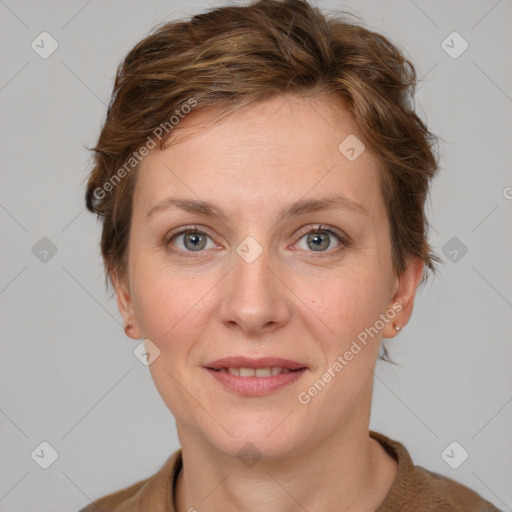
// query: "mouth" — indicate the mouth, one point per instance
point(255, 372)
point(255, 377)
point(260, 367)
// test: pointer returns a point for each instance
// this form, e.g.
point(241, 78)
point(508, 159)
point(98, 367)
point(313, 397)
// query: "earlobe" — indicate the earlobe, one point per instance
point(394, 325)
point(408, 283)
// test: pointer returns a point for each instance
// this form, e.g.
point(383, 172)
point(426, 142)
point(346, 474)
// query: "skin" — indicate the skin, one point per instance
point(291, 302)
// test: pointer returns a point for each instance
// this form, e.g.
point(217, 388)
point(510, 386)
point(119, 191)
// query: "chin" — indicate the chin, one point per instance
point(270, 438)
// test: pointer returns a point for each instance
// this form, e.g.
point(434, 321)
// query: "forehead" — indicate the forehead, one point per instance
point(270, 152)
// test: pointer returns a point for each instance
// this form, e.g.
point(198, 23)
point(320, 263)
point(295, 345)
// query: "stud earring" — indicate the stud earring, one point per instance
point(396, 327)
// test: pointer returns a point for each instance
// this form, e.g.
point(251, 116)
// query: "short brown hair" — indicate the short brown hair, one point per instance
point(234, 55)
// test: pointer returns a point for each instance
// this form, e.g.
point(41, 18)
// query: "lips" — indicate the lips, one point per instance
point(247, 362)
point(256, 381)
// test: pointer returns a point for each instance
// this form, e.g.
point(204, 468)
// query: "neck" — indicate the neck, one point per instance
point(352, 472)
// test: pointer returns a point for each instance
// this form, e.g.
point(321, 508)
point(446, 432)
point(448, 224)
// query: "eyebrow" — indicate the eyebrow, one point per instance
point(300, 207)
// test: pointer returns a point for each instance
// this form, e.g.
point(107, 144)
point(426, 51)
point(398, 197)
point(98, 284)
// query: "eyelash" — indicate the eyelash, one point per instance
point(345, 242)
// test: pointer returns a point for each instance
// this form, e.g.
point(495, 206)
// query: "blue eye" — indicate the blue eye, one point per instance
point(320, 239)
point(193, 240)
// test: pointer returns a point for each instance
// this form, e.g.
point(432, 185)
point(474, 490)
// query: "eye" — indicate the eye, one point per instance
point(191, 240)
point(320, 239)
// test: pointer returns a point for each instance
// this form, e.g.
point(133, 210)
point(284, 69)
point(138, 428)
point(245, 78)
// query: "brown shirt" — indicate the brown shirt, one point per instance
point(415, 489)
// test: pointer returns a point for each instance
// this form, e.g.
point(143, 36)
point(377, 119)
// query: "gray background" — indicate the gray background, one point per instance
point(67, 372)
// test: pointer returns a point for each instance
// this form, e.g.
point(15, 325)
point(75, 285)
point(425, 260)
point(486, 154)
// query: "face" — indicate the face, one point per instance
point(261, 278)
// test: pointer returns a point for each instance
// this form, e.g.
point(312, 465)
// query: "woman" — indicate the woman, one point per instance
point(261, 177)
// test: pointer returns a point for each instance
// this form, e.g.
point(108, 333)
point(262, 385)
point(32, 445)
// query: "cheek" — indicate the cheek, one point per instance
point(170, 310)
point(158, 300)
point(171, 306)
point(350, 308)
point(352, 303)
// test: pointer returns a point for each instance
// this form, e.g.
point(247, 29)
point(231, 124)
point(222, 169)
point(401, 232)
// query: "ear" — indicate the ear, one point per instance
point(407, 284)
point(125, 304)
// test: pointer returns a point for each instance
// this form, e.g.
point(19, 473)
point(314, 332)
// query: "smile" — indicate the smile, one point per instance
point(255, 381)
point(255, 372)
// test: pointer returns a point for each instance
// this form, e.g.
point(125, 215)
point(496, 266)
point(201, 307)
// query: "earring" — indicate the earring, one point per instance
point(127, 327)
point(396, 327)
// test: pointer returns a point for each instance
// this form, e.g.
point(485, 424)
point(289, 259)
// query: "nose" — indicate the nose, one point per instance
point(256, 300)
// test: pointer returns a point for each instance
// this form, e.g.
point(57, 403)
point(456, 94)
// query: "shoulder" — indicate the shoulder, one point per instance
point(442, 493)
point(416, 488)
point(153, 493)
point(116, 501)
